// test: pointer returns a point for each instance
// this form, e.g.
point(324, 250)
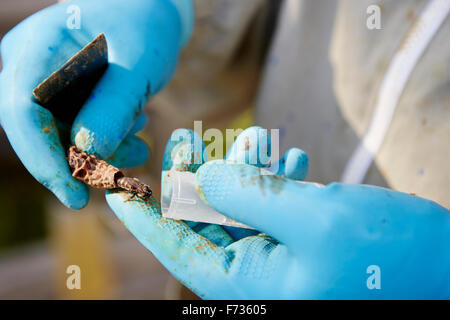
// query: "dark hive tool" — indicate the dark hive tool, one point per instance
point(65, 91)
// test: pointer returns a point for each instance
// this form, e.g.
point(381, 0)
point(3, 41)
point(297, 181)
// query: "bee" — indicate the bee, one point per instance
point(135, 187)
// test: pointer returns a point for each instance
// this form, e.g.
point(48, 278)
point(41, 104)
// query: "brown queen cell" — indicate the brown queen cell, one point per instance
point(100, 174)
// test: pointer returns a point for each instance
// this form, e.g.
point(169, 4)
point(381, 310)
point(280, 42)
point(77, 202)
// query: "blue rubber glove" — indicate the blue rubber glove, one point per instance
point(144, 39)
point(335, 241)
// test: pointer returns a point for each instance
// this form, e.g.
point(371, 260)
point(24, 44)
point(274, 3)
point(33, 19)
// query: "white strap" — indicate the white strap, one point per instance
point(401, 67)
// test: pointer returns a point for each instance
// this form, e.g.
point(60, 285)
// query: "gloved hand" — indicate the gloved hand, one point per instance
point(144, 39)
point(319, 242)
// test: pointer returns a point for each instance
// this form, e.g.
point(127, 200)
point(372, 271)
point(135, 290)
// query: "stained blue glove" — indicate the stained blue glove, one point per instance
point(144, 39)
point(319, 242)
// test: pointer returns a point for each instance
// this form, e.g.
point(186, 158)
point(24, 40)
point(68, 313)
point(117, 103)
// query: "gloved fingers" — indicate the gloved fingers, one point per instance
point(213, 233)
point(184, 152)
point(191, 258)
point(293, 165)
point(239, 233)
point(252, 147)
point(132, 75)
point(282, 208)
point(139, 125)
point(29, 56)
point(32, 54)
point(216, 235)
point(254, 255)
point(33, 134)
point(132, 152)
point(110, 112)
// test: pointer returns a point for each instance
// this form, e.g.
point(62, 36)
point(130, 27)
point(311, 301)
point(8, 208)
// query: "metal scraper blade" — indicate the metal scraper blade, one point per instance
point(65, 91)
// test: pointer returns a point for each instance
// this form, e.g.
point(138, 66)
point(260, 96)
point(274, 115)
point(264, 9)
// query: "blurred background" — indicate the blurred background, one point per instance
point(40, 238)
